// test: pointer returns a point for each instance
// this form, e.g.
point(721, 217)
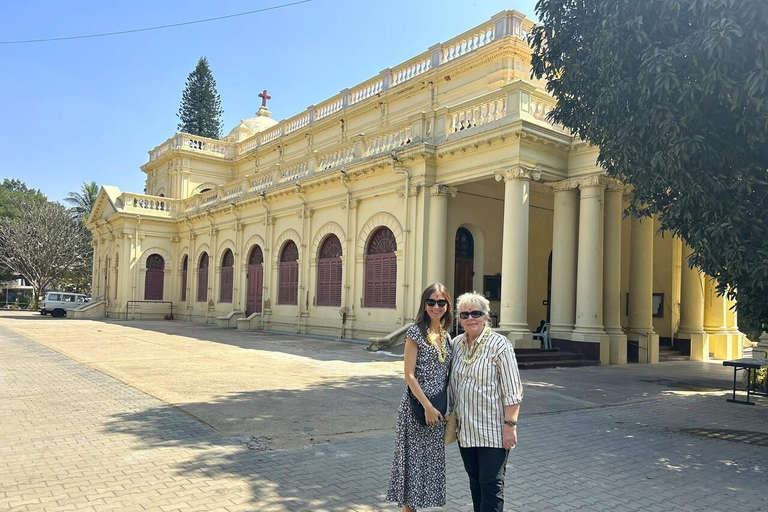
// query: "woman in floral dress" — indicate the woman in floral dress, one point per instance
point(417, 479)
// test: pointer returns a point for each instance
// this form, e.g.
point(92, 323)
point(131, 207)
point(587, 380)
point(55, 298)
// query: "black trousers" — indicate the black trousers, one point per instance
point(486, 468)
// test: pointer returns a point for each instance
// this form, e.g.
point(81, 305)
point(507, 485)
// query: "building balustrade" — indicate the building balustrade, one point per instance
point(508, 23)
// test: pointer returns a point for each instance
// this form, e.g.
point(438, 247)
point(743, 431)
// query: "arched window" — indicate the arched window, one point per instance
point(329, 272)
point(255, 278)
point(381, 270)
point(153, 281)
point(202, 278)
point(227, 276)
point(184, 267)
point(288, 278)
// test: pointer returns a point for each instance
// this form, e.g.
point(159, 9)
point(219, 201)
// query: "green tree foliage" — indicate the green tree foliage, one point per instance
point(13, 192)
point(673, 93)
point(82, 202)
point(200, 111)
point(44, 243)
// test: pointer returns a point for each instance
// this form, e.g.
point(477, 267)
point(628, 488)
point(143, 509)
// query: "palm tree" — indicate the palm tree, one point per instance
point(82, 202)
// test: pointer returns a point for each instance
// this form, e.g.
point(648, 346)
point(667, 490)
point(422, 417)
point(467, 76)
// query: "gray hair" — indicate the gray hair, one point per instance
point(473, 299)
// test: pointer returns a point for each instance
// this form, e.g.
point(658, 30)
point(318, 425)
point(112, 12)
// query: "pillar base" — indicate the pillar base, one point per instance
point(721, 345)
point(737, 344)
point(522, 339)
point(618, 348)
point(599, 338)
point(649, 346)
point(699, 344)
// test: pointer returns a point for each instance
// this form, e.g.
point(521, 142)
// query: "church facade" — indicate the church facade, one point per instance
point(442, 168)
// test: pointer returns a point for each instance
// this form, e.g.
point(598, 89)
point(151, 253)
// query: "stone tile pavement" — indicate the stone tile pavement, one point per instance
point(73, 438)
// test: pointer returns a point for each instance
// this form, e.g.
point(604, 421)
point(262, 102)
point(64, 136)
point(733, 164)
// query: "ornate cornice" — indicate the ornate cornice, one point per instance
point(563, 186)
point(413, 191)
point(615, 185)
point(520, 172)
point(442, 190)
point(594, 181)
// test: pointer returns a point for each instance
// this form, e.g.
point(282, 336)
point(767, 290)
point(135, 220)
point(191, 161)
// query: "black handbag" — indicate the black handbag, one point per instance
point(439, 402)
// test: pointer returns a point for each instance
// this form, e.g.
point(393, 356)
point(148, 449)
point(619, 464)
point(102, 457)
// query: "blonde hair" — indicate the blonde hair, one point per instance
point(473, 299)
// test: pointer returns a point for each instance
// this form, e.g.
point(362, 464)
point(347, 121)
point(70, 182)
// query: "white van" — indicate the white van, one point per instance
point(58, 303)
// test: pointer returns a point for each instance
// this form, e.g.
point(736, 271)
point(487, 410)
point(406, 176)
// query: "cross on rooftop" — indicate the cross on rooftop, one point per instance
point(264, 97)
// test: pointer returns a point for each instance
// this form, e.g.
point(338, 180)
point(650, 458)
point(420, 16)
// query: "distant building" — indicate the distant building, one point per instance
point(442, 168)
point(15, 291)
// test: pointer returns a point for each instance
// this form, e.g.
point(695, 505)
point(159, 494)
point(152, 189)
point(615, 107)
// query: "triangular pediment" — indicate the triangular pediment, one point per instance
point(105, 203)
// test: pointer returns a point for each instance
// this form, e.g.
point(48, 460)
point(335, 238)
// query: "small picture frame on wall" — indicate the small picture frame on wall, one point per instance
point(492, 287)
point(658, 305)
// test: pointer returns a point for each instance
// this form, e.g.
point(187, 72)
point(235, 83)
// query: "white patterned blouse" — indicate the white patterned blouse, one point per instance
point(480, 388)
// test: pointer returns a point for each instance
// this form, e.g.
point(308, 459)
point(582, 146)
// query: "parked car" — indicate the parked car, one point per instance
point(58, 303)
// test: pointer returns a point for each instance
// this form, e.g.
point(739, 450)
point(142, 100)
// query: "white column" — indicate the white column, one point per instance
point(349, 260)
point(640, 322)
point(437, 233)
point(564, 246)
point(612, 272)
point(692, 308)
point(589, 277)
point(514, 256)
point(238, 286)
point(191, 273)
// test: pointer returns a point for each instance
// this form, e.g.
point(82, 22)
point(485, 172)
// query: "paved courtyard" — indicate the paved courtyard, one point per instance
point(174, 416)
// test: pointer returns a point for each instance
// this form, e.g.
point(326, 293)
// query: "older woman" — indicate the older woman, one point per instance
point(487, 392)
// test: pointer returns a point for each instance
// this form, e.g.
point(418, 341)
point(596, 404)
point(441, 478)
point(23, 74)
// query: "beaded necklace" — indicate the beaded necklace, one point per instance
point(476, 348)
point(439, 342)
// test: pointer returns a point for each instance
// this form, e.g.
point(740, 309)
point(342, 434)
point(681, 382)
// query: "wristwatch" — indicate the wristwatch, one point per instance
point(511, 423)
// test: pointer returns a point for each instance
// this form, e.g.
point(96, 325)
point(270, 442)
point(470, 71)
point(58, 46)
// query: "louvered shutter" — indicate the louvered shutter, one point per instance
point(184, 269)
point(153, 280)
point(227, 277)
point(202, 279)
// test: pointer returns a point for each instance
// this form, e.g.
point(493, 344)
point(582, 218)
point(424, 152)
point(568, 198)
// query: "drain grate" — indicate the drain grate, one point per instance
point(736, 436)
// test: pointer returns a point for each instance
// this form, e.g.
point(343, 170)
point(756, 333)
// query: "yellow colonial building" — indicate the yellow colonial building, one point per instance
point(441, 168)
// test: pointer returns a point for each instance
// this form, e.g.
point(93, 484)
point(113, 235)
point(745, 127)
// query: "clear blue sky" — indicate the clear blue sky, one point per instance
point(90, 109)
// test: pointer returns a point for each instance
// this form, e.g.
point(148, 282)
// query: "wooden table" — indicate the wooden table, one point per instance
point(751, 365)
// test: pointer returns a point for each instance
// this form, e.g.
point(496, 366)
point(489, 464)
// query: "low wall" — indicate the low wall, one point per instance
point(92, 310)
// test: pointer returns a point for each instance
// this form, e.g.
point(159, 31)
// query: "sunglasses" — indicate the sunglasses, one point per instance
point(440, 303)
point(474, 314)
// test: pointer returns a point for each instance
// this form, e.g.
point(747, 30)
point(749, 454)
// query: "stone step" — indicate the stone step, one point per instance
point(565, 363)
point(548, 356)
point(666, 358)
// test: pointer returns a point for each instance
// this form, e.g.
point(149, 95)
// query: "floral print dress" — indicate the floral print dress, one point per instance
point(418, 466)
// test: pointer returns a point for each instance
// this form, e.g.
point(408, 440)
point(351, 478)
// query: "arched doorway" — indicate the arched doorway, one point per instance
point(255, 277)
point(464, 271)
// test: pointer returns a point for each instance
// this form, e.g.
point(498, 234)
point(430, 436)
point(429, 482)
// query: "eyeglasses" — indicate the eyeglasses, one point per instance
point(440, 303)
point(476, 313)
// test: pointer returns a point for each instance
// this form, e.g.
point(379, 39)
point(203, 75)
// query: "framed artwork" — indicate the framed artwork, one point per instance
point(658, 305)
point(492, 287)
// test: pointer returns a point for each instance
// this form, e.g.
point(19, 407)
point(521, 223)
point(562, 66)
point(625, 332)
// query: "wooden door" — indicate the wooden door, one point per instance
point(255, 279)
point(464, 270)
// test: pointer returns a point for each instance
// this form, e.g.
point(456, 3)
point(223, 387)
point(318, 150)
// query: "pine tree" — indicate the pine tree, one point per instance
point(200, 110)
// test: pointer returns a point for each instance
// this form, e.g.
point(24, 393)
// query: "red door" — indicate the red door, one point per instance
point(255, 281)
